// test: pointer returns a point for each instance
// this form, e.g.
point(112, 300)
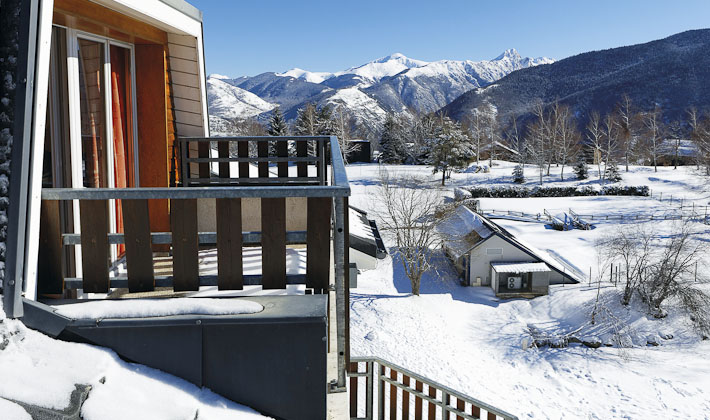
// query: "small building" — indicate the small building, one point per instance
point(677, 152)
point(485, 254)
point(360, 151)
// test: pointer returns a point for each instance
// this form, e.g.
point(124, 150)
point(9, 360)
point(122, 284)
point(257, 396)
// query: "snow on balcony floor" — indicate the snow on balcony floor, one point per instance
point(207, 261)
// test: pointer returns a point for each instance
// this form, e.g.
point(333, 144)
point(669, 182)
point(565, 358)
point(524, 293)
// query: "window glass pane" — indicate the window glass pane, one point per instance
point(93, 114)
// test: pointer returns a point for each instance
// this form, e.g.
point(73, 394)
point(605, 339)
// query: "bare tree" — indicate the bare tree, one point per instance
point(567, 136)
point(596, 140)
point(628, 121)
point(652, 122)
point(408, 216)
point(535, 146)
point(610, 143)
point(630, 249)
point(700, 136)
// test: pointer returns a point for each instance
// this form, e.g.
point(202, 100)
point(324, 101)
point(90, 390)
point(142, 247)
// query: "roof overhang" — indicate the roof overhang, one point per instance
point(520, 267)
point(172, 16)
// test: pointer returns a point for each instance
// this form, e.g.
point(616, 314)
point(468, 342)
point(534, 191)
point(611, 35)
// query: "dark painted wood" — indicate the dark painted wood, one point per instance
point(353, 391)
point(273, 242)
point(50, 279)
point(223, 152)
point(139, 252)
point(262, 149)
point(461, 406)
point(491, 416)
point(282, 151)
point(419, 386)
point(405, 398)
point(94, 245)
point(302, 151)
point(243, 151)
point(475, 411)
point(203, 151)
point(183, 222)
point(229, 244)
point(432, 407)
point(393, 395)
point(318, 242)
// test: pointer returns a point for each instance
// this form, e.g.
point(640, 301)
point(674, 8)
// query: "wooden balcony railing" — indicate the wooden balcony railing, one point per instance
point(326, 221)
point(401, 394)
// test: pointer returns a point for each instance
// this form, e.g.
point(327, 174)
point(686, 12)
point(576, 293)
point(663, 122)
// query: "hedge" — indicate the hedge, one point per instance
point(522, 192)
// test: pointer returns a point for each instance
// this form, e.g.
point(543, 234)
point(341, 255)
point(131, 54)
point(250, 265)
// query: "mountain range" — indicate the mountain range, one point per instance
point(672, 73)
point(368, 92)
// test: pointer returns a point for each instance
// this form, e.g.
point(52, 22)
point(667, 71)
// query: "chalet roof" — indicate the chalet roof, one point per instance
point(463, 230)
point(520, 267)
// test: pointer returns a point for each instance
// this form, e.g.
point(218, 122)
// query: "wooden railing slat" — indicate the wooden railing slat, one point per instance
point(229, 244)
point(139, 252)
point(183, 221)
point(95, 249)
point(302, 151)
point(273, 242)
point(282, 151)
point(243, 151)
point(461, 406)
point(475, 411)
point(318, 242)
point(405, 399)
point(431, 407)
point(393, 396)
point(203, 151)
point(353, 391)
point(262, 149)
point(223, 152)
point(491, 416)
point(419, 386)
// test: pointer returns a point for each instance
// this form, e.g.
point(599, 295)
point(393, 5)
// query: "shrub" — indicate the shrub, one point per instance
point(583, 191)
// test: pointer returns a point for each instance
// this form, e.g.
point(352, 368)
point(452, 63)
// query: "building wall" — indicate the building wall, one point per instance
point(481, 261)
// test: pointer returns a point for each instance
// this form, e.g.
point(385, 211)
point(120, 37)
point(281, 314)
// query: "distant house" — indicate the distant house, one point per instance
point(677, 151)
point(360, 151)
point(485, 254)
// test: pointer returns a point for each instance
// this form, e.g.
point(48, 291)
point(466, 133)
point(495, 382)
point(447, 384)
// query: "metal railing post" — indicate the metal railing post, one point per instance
point(380, 392)
point(339, 251)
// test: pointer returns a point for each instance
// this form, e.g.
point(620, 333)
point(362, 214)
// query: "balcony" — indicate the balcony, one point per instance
point(244, 201)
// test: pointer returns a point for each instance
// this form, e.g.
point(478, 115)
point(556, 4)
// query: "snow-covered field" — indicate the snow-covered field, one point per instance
point(469, 340)
point(41, 371)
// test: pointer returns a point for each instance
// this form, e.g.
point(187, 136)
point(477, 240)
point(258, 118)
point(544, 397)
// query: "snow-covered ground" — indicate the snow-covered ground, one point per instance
point(466, 338)
point(36, 369)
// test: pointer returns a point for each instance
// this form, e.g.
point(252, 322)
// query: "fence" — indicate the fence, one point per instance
point(691, 215)
point(405, 395)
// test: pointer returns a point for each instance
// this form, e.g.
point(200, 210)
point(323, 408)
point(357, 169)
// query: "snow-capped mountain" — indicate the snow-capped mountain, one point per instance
point(228, 101)
point(394, 83)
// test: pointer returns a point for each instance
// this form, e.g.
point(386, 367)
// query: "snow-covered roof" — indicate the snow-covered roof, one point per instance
point(463, 230)
point(520, 267)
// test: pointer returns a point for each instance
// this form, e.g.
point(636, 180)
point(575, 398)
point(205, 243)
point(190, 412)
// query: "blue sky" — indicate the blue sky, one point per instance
point(248, 37)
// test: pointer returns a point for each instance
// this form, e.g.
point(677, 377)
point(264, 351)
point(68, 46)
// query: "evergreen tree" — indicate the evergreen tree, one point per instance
point(450, 148)
point(324, 122)
point(518, 174)
point(277, 124)
point(392, 142)
point(611, 173)
point(580, 168)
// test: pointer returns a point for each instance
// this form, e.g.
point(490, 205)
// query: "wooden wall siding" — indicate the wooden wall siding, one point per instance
point(185, 85)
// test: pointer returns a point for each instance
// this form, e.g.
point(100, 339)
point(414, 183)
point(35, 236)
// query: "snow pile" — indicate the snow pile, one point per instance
point(30, 361)
point(141, 308)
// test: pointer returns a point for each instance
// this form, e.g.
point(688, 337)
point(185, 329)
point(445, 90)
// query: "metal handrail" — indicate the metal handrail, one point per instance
point(440, 403)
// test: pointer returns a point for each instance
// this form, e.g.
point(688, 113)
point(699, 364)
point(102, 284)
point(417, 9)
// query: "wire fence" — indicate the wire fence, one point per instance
point(694, 213)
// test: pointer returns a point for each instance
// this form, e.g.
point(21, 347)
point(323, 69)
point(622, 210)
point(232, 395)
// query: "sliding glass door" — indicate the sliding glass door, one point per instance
point(99, 107)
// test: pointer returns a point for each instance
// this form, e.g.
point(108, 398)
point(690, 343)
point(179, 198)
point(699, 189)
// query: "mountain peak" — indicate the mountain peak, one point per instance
point(509, 53)
point(392, 57)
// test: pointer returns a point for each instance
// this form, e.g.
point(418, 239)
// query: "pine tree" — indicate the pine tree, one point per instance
point(451, 148)
point(392, 144)
point(277, 124)
point(580, 168)
point(518, 174)
point(611, 173)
